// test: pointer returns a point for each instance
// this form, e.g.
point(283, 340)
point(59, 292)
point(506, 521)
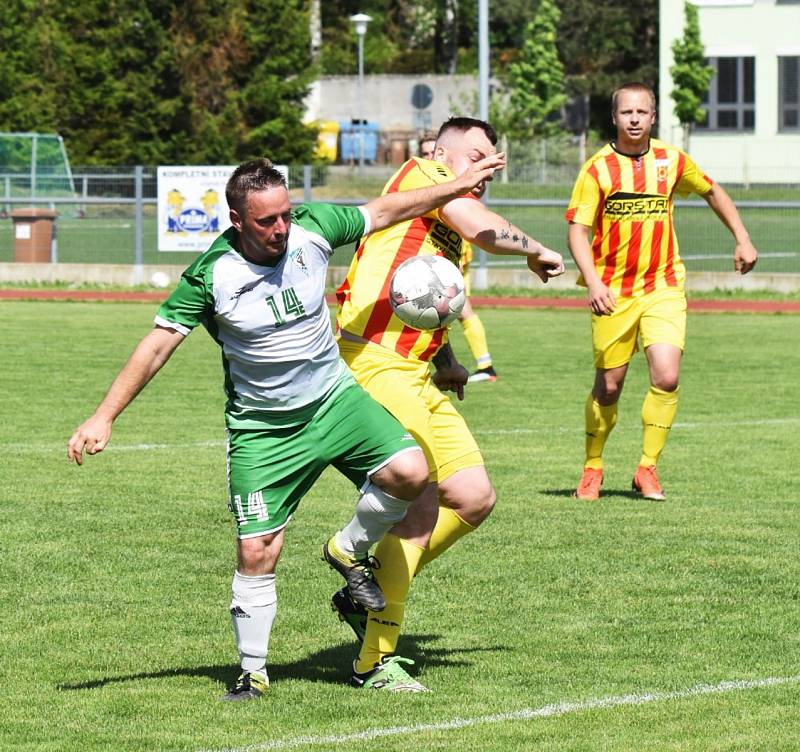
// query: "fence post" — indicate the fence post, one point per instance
point(306, 183)
point(54, 239)
point(138, 271)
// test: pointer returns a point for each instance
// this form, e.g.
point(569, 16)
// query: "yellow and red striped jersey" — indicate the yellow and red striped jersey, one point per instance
point(628, 203)
point(363, 297)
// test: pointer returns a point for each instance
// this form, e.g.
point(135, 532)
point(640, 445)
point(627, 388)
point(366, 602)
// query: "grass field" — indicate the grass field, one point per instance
point(558, 626)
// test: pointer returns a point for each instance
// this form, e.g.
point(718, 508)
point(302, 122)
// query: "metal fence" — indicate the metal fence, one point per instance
point(108, 215)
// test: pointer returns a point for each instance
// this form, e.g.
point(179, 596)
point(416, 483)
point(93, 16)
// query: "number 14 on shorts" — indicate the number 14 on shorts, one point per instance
point(256, 508)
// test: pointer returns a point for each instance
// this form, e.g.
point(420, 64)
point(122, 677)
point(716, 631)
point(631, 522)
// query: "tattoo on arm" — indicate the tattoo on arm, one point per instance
point(504, 234)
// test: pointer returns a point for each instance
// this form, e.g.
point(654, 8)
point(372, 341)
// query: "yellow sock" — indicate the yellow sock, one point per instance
point(398, 561)
point(658, 412)
point(449, 528)
point(600, 420)
point(475, 335)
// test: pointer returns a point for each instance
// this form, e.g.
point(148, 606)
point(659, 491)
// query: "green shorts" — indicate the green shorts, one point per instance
point(271, 469)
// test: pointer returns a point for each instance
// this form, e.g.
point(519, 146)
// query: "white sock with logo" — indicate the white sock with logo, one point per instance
point(377, 512)
point(253, 608)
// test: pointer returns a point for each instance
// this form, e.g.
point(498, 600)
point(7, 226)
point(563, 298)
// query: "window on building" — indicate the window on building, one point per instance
point(731, 98)
point(789, 93)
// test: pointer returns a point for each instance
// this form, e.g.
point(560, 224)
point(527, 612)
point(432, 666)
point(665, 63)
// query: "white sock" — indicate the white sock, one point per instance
point(253, 608)
point(376, 513)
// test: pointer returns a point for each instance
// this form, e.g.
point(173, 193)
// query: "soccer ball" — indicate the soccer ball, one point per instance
point(427, 292)
point(159, 279)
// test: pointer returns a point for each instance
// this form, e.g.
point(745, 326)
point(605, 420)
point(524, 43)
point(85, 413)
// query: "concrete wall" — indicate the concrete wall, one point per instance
point(387, 100)
point(763, 29)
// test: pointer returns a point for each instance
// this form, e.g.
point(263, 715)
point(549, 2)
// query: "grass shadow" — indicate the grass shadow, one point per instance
point(330, 665)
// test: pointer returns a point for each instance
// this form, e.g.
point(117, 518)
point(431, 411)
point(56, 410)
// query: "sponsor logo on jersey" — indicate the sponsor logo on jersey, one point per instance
point(447, 240)
point(637, 207)
point(245, 288)
point(299, 259)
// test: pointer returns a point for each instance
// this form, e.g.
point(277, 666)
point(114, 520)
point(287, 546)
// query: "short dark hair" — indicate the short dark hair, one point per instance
point(250, 177)
point(464, 124)
point(632, 86)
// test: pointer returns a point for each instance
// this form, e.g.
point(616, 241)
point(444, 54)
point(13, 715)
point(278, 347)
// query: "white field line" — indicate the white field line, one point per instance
point(547, 711)
point(688, 425)
point(478, 431)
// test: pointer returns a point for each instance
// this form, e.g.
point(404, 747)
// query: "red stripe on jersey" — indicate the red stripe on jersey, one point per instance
point(614, 172)
point(592, 171)
point(597, 241)
point(639, 176)
point(681, 167)
point(661, 173)
point(433, 347)
point(631, 260)
point(409, 246)
point(669, 271)
point(570, 215)
point(611, 257)
point(343, 292)
point(669, 268)
point(395, 186)
point(655, 256)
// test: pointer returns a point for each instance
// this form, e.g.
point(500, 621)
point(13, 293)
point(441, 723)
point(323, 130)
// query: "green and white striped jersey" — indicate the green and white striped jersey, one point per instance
point(272, 323)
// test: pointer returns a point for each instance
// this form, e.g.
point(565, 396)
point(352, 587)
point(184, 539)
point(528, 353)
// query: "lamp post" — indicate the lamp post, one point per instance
point(360, 21)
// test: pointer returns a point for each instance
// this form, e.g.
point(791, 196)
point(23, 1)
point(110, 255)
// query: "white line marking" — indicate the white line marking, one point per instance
point(547, 711)
point(478, 431)
point(698, 424)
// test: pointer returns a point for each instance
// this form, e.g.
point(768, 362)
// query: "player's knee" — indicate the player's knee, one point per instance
point(257, 556)
point(408, 476)
point(485, 504)
point(473, 503)
point(666, 381)
point(607, 392)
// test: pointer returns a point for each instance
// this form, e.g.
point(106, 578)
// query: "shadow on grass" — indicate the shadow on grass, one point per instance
point(605, 494)
point(331, 665)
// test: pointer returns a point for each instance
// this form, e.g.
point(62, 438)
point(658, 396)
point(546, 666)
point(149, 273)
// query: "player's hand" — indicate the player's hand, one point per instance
point(546, 265)
point(93, 436)
point(601, 300)
point(451, 379)
point(474, 178)
point(745, 257)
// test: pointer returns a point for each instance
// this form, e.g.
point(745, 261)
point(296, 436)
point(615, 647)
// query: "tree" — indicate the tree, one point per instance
point(690, 74)
point(607, 44)
point(150, 81)
point(535, 81)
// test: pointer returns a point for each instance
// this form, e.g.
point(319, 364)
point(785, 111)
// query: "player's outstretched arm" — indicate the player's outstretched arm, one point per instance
point(601, 299)
point(400, 206)
point(151, 353)
point(481, 226)
point(745, 254)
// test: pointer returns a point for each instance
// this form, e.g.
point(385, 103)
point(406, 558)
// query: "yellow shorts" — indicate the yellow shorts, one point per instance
point(405, 388)
point(656, 318)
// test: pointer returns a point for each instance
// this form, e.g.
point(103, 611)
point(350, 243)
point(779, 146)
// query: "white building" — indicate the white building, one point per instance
point(753, 130)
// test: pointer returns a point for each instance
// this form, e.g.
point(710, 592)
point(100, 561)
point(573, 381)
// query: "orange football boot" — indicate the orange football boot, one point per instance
point(589, 487)
point(646, 483)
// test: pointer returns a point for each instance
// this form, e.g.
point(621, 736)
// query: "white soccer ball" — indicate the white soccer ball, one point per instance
point(427, 292)
point(159, 279)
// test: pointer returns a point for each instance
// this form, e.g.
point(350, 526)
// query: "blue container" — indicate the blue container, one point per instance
point(350, 135)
